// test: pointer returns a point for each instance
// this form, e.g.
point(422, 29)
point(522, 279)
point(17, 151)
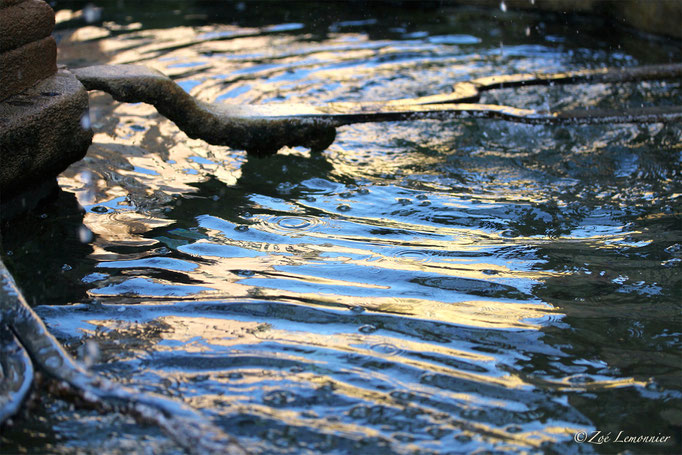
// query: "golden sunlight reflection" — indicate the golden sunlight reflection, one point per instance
point(273, 346)
point(123, 228)
point(421, 286)
point(202, 334)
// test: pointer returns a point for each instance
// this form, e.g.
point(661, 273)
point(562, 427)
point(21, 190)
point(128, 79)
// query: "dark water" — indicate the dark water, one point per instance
point(465, 286)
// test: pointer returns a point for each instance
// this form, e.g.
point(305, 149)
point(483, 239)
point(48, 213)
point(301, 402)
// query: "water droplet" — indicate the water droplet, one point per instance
point(367, 328)
point(84, 234)
point(404, 201)
point(343, 208)
point(346, 195)
point(92, 13)
point(241, 228)
point(424, 203)
point(386, 348)
point(503, 7)
point(490, 272)
point(509, 233)
point(235, 375)
point(363, 191)
point(422, 197)
point(66, 268)
point(90, 353)
point(310, 199)
point(86, 123)
point(357, 309)
point(285, 187)
point(100, 209)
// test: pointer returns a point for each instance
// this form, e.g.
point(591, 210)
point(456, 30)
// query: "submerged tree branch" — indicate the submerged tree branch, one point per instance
point(184, 425)
point(264, 129)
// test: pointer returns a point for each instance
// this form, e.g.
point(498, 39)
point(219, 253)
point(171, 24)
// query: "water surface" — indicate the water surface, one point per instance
point(431, 287)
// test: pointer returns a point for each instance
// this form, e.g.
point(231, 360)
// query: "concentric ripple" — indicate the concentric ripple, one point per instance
point(291, 224)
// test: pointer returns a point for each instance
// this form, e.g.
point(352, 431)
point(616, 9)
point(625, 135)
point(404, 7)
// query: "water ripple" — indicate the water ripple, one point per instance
point(421, 287)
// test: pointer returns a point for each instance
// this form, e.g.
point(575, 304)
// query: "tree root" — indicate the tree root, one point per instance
point(263, 129)
point(23, 334)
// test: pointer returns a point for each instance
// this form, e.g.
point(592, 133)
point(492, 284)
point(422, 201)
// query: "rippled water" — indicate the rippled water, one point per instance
point(420, 287)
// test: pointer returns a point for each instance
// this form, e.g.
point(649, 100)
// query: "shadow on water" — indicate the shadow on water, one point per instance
point(278, 176)
point(47, 251)
point(622, 314)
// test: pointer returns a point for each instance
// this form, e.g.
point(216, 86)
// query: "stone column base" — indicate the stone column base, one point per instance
point(42, 131)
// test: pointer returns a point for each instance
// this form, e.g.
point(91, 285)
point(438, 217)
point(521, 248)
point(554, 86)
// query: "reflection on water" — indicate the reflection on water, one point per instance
point(420, 287)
